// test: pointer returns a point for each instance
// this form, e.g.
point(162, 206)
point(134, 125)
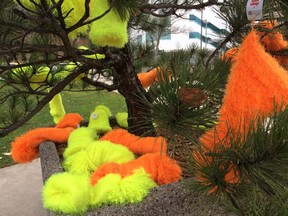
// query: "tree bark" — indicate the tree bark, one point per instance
point(137, 101)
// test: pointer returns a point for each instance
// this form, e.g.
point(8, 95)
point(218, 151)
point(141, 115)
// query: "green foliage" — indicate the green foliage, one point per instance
point(234, 15)
point(16, 107)
point(184, 69)
point(252, 172)
point(124, 7)
point(75, 102)
point(143, 56)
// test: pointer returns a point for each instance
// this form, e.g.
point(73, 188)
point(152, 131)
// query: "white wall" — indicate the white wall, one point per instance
point(180, 29)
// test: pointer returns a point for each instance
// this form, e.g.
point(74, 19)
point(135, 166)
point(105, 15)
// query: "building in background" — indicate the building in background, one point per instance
point(204, 28)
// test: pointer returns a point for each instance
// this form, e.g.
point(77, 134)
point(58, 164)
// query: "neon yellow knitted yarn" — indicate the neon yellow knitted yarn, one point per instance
point(97, 153)
point(67, 193)
point(99, 119)
point(82, 135)
point(77, 163)
point(110, 30)
point(100, 152)
point(113, 189)
point(73, 17)
point(79, 139)
point(122, 119)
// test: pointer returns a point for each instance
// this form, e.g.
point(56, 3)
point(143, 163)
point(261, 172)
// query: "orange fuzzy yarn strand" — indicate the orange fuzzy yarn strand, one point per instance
point(256, 81)
point(273, 41)
point(230, 54)
point(162, 169)
point(25, 148)
point(138, 145)
point(148, 78)
point(70, 120)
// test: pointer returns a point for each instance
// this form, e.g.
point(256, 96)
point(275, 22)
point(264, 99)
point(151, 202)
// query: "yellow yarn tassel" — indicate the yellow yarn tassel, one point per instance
point(110, 30)
point(94, 154)
point(67, 193)
point(57, 110)
point(113, 189)
point(67, 6)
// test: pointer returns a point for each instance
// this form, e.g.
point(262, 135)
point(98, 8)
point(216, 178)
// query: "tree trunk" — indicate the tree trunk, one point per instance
point(139, 114)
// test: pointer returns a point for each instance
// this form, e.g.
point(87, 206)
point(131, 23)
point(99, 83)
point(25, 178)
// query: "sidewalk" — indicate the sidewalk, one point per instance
point(20, 190)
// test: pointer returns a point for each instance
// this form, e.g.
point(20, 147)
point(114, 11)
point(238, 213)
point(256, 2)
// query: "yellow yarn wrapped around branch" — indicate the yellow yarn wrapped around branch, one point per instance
point(109, 30)
point(75, 8)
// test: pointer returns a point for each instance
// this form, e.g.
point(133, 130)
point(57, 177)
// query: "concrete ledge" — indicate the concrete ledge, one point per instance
point(168, 200)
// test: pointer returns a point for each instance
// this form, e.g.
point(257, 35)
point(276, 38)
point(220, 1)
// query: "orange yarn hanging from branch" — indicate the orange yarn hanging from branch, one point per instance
point(256, 81)
point(148, 78)
point(272, 41)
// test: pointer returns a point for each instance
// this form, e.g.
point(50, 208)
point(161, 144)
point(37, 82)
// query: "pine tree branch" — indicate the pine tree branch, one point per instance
point(45, 61)
point(83, 18)
point(283, 52)
point(27, 48)
point(78, 24)
point(99, 84)
point(227, 39)
point(149, 8)
point(57, 89)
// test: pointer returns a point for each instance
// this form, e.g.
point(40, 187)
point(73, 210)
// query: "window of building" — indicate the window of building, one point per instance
point(166, 36)
point(139, 38)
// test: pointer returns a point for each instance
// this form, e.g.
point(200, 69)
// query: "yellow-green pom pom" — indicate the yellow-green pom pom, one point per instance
point(82, 135)
point(75, 15)
point(136, 186)
point(67, 193)
point(100, 152)
point(122, 119)
point(57, 110)
point(110, 30)
point(78, 163)
point(113, 189)
point(97, 153)
point(99, 119)
point(79, 139)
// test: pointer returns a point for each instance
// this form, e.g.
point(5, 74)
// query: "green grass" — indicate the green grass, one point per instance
point(77, 102)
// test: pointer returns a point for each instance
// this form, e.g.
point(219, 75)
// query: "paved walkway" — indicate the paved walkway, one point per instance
point(20, 190)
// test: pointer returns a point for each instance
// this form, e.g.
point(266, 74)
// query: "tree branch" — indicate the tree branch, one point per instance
point(55, 90)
